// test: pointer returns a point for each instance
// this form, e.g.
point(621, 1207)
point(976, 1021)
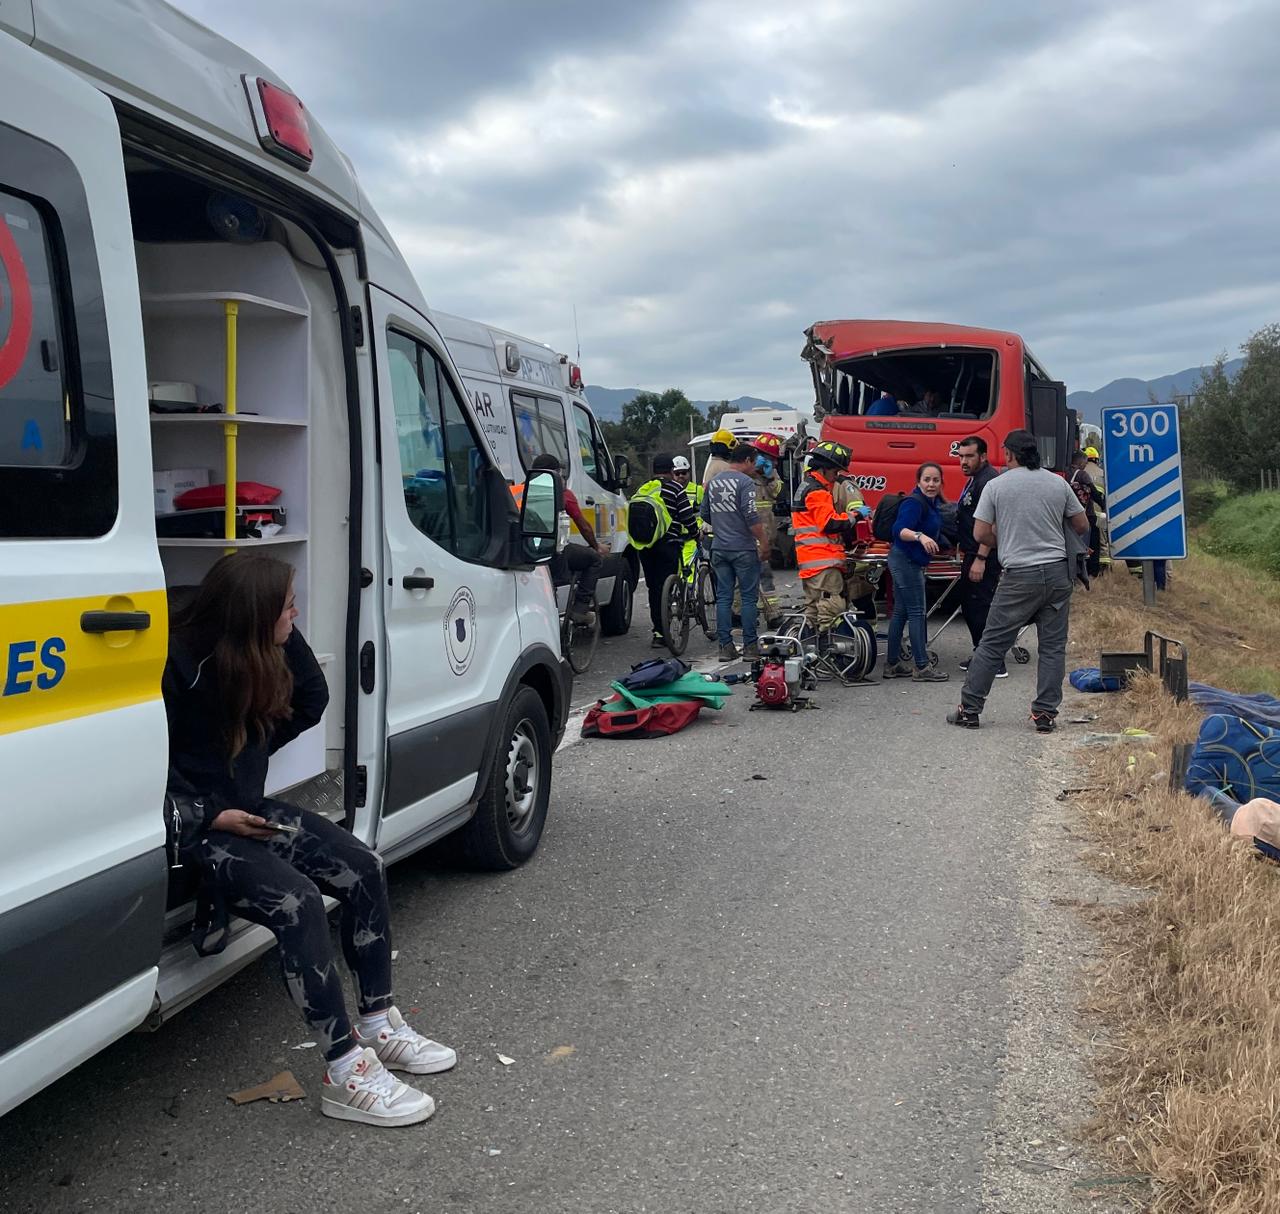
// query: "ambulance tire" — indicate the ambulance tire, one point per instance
point(615, 615)
point(508, 821)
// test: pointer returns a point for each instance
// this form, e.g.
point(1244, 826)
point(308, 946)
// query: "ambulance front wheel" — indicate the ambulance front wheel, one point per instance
point(508, 821)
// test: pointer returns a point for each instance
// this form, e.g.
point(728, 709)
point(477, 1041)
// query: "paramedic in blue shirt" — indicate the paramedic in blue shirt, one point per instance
point(886, 406)
point(739, 546)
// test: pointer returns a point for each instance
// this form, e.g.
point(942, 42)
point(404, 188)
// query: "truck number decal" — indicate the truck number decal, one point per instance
point(870, 482)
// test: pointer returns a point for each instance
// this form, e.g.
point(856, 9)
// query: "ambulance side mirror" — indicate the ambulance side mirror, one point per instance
point(621, 472)
point(540, 507)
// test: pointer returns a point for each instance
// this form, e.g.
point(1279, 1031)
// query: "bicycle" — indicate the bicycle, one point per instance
point(578, 641)
point(683, 602)
point(705, 581)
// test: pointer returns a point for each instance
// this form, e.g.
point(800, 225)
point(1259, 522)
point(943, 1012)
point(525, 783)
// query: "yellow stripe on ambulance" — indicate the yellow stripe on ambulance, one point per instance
point(51, 670)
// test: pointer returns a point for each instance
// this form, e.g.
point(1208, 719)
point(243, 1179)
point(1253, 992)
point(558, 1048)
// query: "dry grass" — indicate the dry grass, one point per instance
point(1190, 988)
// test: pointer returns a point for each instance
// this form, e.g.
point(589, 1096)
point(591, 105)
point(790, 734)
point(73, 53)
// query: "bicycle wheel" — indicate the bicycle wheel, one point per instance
point(706, 600)
point(578, 642)
point(675, 616)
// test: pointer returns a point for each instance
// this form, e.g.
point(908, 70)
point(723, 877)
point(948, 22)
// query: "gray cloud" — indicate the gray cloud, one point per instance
point(705, 179)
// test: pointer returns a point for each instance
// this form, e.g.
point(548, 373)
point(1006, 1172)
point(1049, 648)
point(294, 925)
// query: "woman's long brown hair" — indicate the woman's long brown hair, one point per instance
point(236, 609)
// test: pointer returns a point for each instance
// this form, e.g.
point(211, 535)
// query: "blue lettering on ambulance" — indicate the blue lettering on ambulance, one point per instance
point(53, 655)
point(21, 665)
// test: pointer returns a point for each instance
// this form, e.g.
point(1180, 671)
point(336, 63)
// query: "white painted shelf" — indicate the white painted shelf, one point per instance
point(217, 419)
point(198, 304)
point(203, 542)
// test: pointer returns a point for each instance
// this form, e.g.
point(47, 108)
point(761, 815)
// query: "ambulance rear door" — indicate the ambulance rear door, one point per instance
point(83, 744)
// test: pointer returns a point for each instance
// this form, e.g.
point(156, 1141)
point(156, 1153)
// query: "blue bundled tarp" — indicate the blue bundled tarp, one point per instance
point(1235, 757)
point(1260, 709)
point(1091, 678)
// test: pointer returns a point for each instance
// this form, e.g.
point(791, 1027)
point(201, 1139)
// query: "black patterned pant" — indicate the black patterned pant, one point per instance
point(279, 883)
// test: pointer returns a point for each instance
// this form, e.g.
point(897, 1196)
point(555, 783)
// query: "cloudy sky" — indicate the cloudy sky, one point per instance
point(705, 179)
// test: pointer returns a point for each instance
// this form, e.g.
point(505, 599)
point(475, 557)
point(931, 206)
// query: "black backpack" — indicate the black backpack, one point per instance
point(886, 512)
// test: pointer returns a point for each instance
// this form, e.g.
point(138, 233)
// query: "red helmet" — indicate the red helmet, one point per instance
point(770, 445)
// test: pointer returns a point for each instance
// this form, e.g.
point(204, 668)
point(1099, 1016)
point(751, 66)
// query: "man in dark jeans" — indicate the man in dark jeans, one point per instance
point(980, 568)
point(662, 559)
point(1027, 509)
point(739, 549)
point(586, 560)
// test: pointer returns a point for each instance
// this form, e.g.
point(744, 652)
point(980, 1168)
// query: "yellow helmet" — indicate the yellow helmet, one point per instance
point(1091, 452)
point(725, 438)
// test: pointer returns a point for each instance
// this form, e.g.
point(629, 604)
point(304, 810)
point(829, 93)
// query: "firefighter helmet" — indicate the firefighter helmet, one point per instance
point(830, 455)
point(726, 438)
point(770, 445)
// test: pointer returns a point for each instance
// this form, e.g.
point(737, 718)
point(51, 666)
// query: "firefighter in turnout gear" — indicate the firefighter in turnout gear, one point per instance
point(821, 533)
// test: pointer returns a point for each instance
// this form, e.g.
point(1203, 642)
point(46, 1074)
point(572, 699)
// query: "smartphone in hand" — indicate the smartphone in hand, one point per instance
point(280, 827)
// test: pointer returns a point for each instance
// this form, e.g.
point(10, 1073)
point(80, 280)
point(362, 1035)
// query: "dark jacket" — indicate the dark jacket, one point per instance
point(202, 780)
point(969, 503)
point(684, 518)
point(917, 513)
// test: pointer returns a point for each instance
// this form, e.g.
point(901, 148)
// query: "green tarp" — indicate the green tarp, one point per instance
point(690, 686)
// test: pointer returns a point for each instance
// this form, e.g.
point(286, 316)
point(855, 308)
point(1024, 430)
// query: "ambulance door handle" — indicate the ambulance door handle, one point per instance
point(413, 581)
point(115, 621)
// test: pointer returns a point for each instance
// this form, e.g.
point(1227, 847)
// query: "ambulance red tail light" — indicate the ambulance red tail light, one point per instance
point(281, 121)
point(575, 377)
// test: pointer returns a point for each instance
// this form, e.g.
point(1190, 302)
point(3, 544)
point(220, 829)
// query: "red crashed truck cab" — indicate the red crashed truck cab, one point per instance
point(946, 382)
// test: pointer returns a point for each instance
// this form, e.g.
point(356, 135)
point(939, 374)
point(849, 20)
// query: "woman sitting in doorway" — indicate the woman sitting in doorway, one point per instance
point(241, 682)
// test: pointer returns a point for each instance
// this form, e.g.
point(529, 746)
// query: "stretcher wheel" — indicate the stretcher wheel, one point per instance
point(1020, 655)
point(907, 655)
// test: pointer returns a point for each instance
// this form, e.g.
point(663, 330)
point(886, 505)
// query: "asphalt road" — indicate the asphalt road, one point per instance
point(757, 966)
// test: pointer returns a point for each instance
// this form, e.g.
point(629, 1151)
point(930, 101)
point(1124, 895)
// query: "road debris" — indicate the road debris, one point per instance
point(279, 1089)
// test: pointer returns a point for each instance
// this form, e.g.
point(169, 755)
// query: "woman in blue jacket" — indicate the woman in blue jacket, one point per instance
point(916, 529)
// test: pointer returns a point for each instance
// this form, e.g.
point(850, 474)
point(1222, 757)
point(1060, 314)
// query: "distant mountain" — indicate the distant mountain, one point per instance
point(1138, 391)
point(607, 403)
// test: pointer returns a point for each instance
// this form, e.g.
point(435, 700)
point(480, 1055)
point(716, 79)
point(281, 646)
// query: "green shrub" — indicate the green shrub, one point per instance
point(1203, 497)
point(1246, 529)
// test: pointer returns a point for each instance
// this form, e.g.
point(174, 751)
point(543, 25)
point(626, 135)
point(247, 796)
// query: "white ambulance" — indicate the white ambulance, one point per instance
point(530, 400)
point(179, 240)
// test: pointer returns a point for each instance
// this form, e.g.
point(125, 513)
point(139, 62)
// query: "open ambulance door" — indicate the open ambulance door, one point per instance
point(83, 743)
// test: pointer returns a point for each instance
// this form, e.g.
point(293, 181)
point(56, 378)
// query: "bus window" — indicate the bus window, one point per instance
point(944, 382)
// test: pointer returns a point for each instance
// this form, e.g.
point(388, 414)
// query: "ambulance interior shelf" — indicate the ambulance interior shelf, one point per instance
point(189, 336)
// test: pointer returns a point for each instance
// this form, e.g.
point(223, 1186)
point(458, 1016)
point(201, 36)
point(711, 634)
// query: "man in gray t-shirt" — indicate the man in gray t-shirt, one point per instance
point(1031, 505)
point(737, 549)
point(1025, 512)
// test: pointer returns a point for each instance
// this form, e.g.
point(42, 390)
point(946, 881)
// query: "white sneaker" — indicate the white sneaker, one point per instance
point(373, 1095)
point(400, 1048)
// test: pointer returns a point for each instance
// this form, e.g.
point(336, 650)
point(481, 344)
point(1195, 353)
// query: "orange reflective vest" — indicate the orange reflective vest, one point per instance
point(816, 551)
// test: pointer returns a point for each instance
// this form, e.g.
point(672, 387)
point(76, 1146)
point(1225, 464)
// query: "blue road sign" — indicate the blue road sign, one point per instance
point(1143, 455)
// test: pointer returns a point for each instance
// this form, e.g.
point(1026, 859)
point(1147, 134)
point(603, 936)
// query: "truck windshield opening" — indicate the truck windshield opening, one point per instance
point(941, 382)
